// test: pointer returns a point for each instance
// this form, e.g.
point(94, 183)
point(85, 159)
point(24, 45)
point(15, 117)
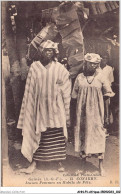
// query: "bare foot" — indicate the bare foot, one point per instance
point(28, 170)
point(60, 167)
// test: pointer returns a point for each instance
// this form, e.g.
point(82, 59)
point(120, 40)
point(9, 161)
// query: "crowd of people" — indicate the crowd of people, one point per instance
point(45, 111)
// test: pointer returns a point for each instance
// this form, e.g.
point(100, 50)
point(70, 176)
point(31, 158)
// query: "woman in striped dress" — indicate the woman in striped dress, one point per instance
point(45, 111)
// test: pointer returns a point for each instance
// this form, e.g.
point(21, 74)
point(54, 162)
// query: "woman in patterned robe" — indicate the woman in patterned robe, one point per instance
point(45, 111)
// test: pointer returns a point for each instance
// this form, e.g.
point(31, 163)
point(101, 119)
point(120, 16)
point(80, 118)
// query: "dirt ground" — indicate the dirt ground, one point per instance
point(46, 174)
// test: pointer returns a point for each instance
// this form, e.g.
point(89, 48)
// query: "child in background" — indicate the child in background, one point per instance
point(108, 73)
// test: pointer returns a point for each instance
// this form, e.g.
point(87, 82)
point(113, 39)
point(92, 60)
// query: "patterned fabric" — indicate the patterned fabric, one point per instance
point(50, 44)
point(92, 57)
point(103, 7)
point(89, 131)
point(52, 146)
point(46, 104)
point(49, 32)
point(68, 24)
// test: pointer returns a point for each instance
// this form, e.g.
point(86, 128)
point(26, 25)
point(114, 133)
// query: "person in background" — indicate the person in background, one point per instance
point(89, 130)
point(108, 73)
point(45, 111)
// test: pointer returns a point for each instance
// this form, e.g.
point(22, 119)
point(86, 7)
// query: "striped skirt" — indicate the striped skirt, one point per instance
point(52, 146)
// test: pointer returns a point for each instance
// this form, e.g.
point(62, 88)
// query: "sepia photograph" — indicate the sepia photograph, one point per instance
point(60, 94)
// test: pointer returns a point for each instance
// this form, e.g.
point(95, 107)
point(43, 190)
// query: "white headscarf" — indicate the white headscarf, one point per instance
point(92, 58)
point(49, 44)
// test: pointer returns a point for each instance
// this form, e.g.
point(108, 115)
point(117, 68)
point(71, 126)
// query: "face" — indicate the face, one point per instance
point(46, 56)
point(91, 66)
point(48, 53)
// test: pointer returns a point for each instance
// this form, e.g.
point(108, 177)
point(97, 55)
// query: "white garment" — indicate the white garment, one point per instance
point(108, 72)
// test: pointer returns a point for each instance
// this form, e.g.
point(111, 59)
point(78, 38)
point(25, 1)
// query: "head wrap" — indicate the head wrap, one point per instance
point(92, 58)
point(49, 44)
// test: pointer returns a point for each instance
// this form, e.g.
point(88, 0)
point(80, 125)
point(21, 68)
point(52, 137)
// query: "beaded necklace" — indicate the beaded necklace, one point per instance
point(91, 80)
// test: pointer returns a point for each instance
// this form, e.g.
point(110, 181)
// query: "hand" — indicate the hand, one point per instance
point(24, 69)
point(109, 94)
point(24, 72)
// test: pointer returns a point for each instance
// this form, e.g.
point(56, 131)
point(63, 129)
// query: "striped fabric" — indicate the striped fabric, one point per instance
point(52, 146)
point(49, 32)
point(49, 44)
point(46, 104)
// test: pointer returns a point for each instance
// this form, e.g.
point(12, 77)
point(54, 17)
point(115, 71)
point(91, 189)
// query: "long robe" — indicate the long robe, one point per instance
point(46, 104)
point(89, 131)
